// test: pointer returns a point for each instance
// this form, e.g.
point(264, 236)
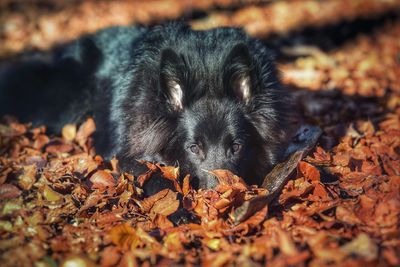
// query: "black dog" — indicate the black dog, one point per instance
point(203, 100)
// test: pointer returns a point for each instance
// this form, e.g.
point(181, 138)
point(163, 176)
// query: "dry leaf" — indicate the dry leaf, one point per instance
point(102, 180)
point(9, 191)
point(68, 132)
point(84, 131)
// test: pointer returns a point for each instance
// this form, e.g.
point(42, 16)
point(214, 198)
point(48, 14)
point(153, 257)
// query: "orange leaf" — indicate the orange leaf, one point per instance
point(148, 203)
point(164, 202)
point(286, 243)
point(167, 205)
point(169, 172)
point(110, 256)
point(322, 156)
point(252, 222)
point(186, 185)
point(309, 171)
point(162, 222)
point(124, 236)
point(319, 191)
point(142, 179)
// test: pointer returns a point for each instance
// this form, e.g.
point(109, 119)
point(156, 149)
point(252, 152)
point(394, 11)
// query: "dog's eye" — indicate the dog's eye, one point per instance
point(195, 149)
point(236, 147)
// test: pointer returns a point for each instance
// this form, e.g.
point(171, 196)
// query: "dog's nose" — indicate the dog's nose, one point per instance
point(207, 180)
point(211, 180)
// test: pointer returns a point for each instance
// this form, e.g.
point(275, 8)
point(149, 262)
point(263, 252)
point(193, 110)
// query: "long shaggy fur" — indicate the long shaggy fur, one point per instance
point(161, 93)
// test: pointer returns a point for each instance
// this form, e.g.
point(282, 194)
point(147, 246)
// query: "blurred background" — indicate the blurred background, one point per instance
point(40, 24)
point(341, 58)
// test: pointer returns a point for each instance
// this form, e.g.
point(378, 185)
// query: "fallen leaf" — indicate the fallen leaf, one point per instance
point(8, 191)
point(162, 222)
point(102, 180)
point(85, 130)
point(57, 146)
point(124, 236)
point(309, 171)
point(27, 177)
point(51, 195)
point(68, 132)
point(362, 246)
point(165, 205)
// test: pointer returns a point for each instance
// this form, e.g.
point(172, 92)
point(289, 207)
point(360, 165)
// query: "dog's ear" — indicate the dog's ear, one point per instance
point(171, 73)
point(237, 73)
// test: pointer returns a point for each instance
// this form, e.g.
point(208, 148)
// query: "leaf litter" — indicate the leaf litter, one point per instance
point(335, 204)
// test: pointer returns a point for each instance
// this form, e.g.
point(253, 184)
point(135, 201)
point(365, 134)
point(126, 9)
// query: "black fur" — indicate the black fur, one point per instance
point(200, 99)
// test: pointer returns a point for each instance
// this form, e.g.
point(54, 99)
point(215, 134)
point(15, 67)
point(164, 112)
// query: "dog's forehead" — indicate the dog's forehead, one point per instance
point(213, 119)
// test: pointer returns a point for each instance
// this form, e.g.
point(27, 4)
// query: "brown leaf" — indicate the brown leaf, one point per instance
point(321, 156)
point(148, 203)
point(173, 242)
point(390, 255)
point(169, 172)
point(222, 204)
point(12, 130)
point(124, 236)
point(27, 177)
point(366, 210)
point(85, 130)
point(286, 243)
point(8, 191)
point(162, 222)
point(277, 178)
point(107, 218)
point(102, 180)
point(366, 127)
point(143, 178)
point(186, 185)
point(91, 200)
point(129, 260)
point(253, 221)
point(295, 189)
point(320, 192)
point(58, 147)
point(250, 207)
point(127, 237)
point(40, 141)
point(83, 163)
point(166, 205)
point(341, 159)
point(110, 256)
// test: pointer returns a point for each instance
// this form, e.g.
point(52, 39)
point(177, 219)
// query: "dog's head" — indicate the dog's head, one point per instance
point(225, 119)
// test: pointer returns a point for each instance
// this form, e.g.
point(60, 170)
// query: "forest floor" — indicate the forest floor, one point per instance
point(62, 204)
